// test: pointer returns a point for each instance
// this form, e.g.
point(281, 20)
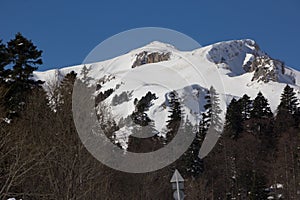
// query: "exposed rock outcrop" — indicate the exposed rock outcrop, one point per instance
point(146, 57)
point(266, 69)
point(242, 56)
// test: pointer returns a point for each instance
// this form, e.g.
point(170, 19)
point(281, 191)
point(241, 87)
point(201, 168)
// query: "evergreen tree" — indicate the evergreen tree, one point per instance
point(246, 106)
point(289, 101)
point(193, 164)
point(3, 60)
point(237, 113)
point(206, 115)
point(175, 107)
point(21, 58)
point(139, 116)
point(65, 92)
point(215, 110)
point(64, 104)
point(143, 145)
point(24, 58)
point(84, 73)
point(212, 109)
point(262, 122)
point(202, 130)
point(173, 123)
point(287, 110)
point(209, 118)
point(234, 119)
point(261, 108)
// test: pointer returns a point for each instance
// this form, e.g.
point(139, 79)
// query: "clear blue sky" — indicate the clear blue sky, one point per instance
point(67, 30)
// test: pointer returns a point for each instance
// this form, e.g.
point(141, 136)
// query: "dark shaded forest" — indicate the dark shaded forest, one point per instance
point(42, 156)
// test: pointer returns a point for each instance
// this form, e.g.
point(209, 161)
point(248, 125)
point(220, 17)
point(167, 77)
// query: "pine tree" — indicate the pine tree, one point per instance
point(262, 122)
point(84, 73)
point(215, 110)
point(24, 58)
point(212, 109)
point(175, 107)
point(209, 118)
point(64, 104)
point(65, 92)
point(67, 84)
point(174, 120)
point(193, 164)
point(289, 101)
point(206, 115)
point(202, 130)
point(261, 108)
point(287, 110)
point(3, 60)
point(139, 116)
point(246, 106)
point(234, 119)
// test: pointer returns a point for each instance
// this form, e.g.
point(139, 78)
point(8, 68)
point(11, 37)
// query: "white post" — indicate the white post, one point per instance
point(177, 185)
point(178, 180)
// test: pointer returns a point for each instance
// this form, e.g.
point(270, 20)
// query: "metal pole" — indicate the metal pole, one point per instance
point(177, 185)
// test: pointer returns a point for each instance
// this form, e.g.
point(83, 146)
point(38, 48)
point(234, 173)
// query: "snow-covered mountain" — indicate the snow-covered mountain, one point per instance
point(233, 68)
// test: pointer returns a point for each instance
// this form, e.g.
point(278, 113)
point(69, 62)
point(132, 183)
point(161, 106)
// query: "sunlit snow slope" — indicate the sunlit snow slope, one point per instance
point(233, 68)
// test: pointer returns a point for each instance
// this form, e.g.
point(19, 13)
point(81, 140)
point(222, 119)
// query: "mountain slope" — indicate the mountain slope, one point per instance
point(233, 68)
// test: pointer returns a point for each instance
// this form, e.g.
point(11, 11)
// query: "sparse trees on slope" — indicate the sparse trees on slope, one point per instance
point(210, 118)
point(84, 73)
point(139, 116)
point(72, 172)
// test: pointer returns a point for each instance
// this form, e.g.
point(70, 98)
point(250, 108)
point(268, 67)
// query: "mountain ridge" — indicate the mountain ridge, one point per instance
point(211, 53)
point(233, 68)
point(160, 47)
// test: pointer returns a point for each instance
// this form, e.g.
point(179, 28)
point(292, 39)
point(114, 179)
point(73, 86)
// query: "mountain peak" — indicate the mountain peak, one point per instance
point(155, 46)
point(250, 43)
point(237, 57)
point(159, 44)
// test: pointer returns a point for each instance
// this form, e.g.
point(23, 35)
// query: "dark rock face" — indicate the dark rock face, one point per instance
point(265, 68)
point(145, 58)
point(232, 56)
point(226, 52)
